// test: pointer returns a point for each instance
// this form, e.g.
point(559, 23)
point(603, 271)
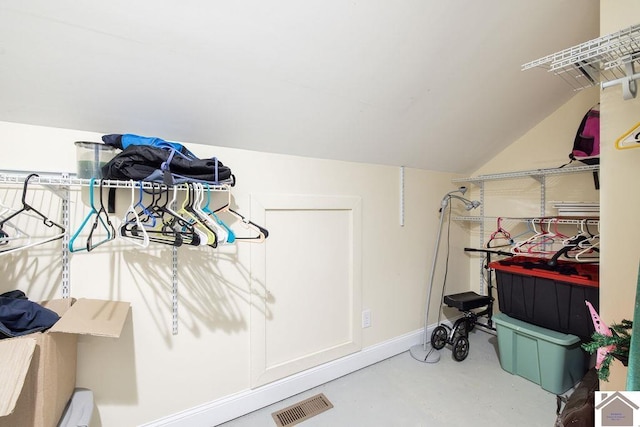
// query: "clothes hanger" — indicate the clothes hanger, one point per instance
point(131, 217)
point(156, 223)
point(582, 239)
point(28, 208)
point(173, 224)
point(579, 236)
point(189, 211)
point(577, 246)
point(586, 238)
point(98, 221)
point(576, 252)
point(519, 245)
point(32, 244)
point(543, 244)
point(262, 233)
point(554, 231)
point(540, 238)
point(230, 235)
point(220, 232)
point(102, 218)
point(589, 246)
point(595, 247)
point(498, 235)
point(529, 231)
point(170, 220)
point(145, 215)
point(552, 239)
point(32, 212)
point(16, 234)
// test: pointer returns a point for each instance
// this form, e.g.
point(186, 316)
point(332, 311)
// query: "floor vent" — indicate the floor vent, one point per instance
point(301, 411)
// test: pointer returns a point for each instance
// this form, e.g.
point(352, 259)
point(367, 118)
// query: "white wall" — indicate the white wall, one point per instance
point(547, 145)
point(620, 201)
point(149, 373)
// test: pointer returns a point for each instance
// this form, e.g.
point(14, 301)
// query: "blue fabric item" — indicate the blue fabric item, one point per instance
point(21, 317)
point(129, 139)
point(125, 140)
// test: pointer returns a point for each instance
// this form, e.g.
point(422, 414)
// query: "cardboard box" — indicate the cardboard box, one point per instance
point(38, 371)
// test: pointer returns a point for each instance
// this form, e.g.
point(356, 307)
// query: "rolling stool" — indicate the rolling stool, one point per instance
point(458, 335)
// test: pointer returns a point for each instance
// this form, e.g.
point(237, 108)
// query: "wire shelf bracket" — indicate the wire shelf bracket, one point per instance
point(606, 61)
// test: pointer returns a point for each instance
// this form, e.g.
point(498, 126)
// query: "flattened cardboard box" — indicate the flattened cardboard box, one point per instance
point(38, 371)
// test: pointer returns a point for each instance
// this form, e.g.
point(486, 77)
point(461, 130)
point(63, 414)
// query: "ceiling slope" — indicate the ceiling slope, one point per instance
point(427, 84)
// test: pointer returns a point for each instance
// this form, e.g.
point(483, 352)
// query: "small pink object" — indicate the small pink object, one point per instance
point(603, 329)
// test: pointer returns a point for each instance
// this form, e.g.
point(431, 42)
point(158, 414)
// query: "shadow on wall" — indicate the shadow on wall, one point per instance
point(214, 287)
point(36, 272)
point(113, 362)
point(36, 269)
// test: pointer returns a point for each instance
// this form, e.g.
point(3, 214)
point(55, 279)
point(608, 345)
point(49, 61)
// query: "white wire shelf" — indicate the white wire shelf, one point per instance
point(535, 220)
point(529, 173)
point(607, 61)
point(71, 179)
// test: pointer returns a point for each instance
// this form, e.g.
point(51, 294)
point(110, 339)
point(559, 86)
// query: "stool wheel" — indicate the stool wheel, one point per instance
point(439, 337)
point(460, 348)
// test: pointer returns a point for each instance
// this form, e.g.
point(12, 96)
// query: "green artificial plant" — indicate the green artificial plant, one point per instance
point(620, 338)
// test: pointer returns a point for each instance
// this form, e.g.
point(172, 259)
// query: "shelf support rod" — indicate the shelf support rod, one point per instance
point(629, 85)
point(174, 285)
point(481, 185)
point(174, 290)
point(543, 195)
point(66, 270)
point(401, 196)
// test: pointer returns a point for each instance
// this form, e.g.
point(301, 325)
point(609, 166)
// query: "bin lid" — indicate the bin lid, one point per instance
point(79, 410)
point(575, 273)
point(535, 331)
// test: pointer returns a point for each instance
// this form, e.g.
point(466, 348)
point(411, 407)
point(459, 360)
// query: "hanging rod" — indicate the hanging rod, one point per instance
point(69, 179)
point(607, 61)
point(529, 173)
point(535, 220)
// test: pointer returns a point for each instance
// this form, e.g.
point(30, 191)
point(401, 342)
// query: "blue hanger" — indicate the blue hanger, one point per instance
point(106, 224)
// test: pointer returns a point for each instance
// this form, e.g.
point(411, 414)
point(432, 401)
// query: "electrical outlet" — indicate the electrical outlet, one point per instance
point(366, 318)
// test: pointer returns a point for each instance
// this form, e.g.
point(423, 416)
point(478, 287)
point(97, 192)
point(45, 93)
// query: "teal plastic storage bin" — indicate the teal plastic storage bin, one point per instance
point(552, 359)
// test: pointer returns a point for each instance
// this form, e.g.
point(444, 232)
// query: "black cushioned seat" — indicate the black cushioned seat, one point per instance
point(466, 301)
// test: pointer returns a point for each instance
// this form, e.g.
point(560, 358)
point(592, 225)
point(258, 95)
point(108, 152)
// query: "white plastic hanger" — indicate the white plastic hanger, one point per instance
point(131, 217)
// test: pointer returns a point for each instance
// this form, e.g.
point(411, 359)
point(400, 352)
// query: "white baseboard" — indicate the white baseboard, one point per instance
point(235, 405)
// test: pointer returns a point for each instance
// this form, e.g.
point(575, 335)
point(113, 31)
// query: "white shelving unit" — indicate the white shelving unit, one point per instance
point(61, 185)
point(71, 180)
point(608, 60)
point(537, 174)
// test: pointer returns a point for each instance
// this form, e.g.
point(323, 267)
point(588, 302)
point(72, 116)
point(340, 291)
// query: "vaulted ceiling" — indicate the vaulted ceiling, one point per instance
point(422, 83)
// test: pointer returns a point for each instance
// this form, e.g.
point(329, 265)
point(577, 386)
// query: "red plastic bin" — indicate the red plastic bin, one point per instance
point(551, 297)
